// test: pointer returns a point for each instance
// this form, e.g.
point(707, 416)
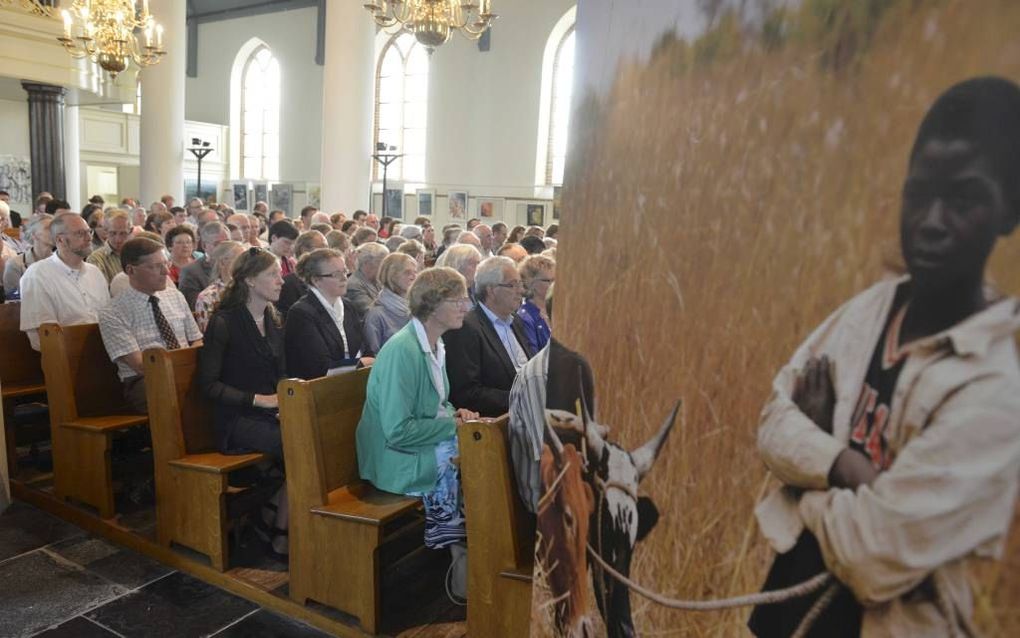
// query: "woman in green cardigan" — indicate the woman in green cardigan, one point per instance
point(407, 436)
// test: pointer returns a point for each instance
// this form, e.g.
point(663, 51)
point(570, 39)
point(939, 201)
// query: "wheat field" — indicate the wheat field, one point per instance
point(713, 215)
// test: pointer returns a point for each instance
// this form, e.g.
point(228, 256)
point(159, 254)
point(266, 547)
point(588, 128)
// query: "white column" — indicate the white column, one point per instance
point(347, 105)
point(72, 158)
point(162, 121)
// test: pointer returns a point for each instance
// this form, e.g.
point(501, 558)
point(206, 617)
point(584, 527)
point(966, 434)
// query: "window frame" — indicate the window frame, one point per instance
point(390, 43)
point(242, 122)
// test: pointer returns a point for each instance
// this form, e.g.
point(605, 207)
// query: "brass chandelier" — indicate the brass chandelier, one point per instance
point(432, 22)
point(105, 32)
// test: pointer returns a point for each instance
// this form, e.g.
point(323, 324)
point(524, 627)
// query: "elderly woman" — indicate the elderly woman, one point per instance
point(364, 285)
point(537, 274)
point(180, 241)
point(407, 435)
point(323, 331)
point(390, 313)
point(464, 258)
point(222, 258)
point(239, 367)
point(40, 246)
point(415, 249)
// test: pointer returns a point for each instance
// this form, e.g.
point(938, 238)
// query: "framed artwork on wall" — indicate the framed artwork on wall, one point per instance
point(490, 207)
point(426, 201)
point(208, 194)
point(394, 202)
point(240, 196)
point(536, 214)
point(281, 197)
point(458, 204)
point(261, 193)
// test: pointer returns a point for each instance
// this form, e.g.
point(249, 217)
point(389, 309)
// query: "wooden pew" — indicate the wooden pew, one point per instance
point(338, 523)
point(87, 408)
point(501, 534)
point(20, 372)
point(192, 489)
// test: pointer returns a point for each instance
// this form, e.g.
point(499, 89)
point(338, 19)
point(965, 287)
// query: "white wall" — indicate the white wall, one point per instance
point(291, 36)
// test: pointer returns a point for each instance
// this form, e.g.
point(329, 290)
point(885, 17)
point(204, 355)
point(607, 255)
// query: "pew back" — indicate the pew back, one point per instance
point(20, 364)
point(80, 378)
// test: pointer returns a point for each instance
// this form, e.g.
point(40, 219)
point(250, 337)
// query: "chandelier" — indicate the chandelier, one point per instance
point(432, 22)
point(104, 32)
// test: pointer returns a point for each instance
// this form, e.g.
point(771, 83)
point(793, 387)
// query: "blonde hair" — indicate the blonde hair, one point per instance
point(530, 269)
point(391, 267)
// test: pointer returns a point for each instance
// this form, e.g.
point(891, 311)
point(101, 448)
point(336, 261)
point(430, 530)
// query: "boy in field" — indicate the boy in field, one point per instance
point(895, 428)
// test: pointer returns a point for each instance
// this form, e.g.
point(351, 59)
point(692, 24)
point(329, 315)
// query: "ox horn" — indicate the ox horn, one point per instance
point(591, 429)
point(644, 456)
point(554, 439)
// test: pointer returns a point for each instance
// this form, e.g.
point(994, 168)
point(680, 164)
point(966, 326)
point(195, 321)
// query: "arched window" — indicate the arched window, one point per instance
point(260, 116)
point(554, 109)
point(563, 80)
point(401, 106)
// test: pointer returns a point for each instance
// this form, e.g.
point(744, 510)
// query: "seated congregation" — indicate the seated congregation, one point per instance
point(308, 377)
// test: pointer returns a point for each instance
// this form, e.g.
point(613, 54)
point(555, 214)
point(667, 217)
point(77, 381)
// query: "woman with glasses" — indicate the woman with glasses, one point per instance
point(390, 312)
point(407, 434)
point(323, 331)
point(180, 240)
point(537, 274)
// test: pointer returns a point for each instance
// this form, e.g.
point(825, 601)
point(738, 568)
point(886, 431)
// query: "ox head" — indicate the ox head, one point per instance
point(621, 518)
point(563, 518)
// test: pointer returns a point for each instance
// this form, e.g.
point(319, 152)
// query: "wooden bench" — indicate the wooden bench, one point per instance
point(192, 488)
point(20, 371)
point(338, 523)
point(501, 534)
point(87, 408)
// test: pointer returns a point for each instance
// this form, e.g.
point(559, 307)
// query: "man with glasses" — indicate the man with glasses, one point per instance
point(107, 258)
point(63, 288)
point(483, 356)
point(148, 314)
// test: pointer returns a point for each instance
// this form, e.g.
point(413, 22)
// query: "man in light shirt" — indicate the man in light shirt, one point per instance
point(107, 258)
point(148, 314)
point(62, 288)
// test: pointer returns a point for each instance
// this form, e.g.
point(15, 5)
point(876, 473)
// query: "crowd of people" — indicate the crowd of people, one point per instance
point(445, 320)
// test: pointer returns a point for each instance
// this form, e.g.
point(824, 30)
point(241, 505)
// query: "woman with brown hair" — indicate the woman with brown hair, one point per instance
point(180, 241)
point(516, 234)
point(241, 363)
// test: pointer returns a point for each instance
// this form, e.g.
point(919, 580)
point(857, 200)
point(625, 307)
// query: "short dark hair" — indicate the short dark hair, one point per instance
point(532, 244)
point(347, 225)
point(172, 234)
point(177, 209)
point(97, 199)
point(134, 250)
point(308, 210)
point(54, 205)
point(359, 214)
point(283, 228)
point(89, 210)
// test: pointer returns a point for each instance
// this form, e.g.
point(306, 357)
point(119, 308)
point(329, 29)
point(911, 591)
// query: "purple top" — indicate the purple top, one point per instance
point(535, 327)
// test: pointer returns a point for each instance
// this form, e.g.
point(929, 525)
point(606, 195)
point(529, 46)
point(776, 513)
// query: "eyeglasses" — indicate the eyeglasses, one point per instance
point(512, 285)
point(545, 280)
point(464, 302)
point(77, 233)
point(339, 275)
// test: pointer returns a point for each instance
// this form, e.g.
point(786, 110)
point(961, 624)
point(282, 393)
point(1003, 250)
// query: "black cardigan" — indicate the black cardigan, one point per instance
point(313, 343)
point(236, 362)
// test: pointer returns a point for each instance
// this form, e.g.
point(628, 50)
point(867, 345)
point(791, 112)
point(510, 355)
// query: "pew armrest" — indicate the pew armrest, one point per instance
point(216, 463)
point(362, 503)
point(17, 390)
point(108, 423)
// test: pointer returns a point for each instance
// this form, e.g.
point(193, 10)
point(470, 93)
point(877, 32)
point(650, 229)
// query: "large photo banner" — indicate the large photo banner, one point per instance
point(786, 323)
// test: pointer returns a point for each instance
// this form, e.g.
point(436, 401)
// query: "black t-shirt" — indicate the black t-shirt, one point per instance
point(842, 617)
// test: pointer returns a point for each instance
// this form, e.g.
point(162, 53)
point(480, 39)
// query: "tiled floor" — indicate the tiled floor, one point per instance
point(58, 581)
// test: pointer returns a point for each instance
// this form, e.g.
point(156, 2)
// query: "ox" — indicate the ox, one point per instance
point(618, 519)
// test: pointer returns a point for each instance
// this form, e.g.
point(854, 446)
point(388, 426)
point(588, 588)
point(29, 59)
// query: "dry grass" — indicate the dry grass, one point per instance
point(713, 219)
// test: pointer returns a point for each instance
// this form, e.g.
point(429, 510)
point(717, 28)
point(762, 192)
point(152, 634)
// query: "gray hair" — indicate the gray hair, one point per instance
point(60, 221)
point(468, 237)
point(34, 225)
point(410, 231)
point(457, 256)
point(368, 253)
point(490, 274)
point(394, 242)
point(211, 231)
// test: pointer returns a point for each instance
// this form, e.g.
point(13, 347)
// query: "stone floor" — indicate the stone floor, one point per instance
point(59, 581)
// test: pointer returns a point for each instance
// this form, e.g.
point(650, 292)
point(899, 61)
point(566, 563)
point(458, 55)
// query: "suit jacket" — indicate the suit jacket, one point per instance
point(481, 372)
point(312, 341)
point(293, 289)
point(195, 277)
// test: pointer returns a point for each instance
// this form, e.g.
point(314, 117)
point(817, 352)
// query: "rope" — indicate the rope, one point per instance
point(809, 586)
point(816, 611)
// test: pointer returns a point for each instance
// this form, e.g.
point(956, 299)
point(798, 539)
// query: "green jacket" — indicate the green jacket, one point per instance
point(398, 431)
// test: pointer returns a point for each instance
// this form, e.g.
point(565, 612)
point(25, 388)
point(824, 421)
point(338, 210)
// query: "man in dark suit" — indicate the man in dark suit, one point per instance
point(483, 356)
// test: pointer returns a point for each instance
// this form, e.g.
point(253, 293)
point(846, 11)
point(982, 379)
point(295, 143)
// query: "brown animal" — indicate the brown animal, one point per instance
point(563, 518)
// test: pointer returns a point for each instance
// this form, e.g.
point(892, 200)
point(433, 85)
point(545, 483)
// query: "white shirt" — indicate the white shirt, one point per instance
point(336, 311)
point(53, 292)
point(437, 363)
point(128, 325)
